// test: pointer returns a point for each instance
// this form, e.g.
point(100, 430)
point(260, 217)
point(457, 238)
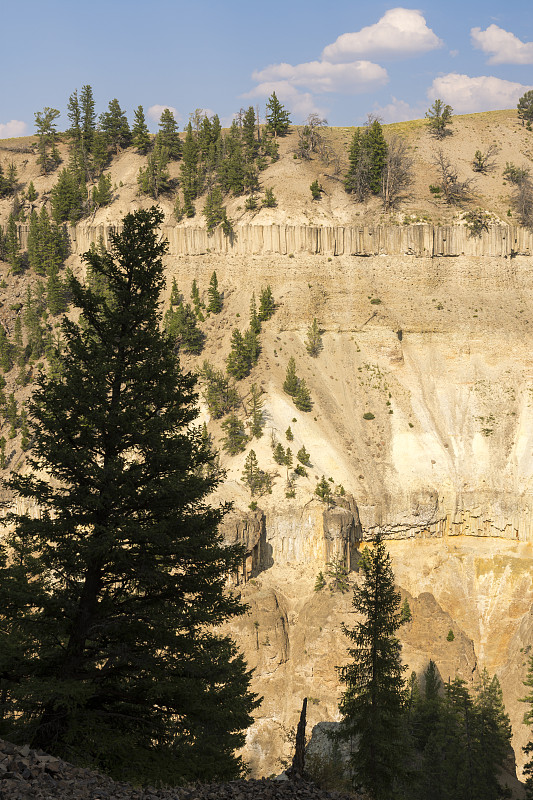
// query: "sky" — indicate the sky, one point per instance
point(339, 59)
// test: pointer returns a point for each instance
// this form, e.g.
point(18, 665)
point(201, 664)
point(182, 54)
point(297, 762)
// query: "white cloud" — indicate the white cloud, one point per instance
point(484, 93)
point(14, 127)
point(154, 112)
point(321, 76)
point(396, 111)
point(298, 103)
point(400, 33)
point(505, 47)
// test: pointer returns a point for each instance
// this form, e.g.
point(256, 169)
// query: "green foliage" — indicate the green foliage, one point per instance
point(267, 305)
point(323, 490)
point(277, 117)
point(68, 197)
point(338, 574)
point(301, 470)
point(154, 178)
point(110, 605)
point(8, 182)
point(368, 415)
point(221, 397)
point(269, 200)
point(31, 193)
point(235, 439)
point(214, 305)
point(439, 118)
point(168, 135)
point(140, 135)
point(316, 190)
point(320, 582)
point(181, 324)
point(279, 454)
point(102, 193)
point(254, 478)
point(291, 382)
point(313, 343)
point(12, 247)
point(525, 107)
point(6, 351)
point(302, 398)
point(114, 125)
point(367, 160)
point(214, 211)
point(451, 636)
point(303, 456)
point(189, 171)
point(48, 158)
point(514, 174)
point(405, 612)
point(484, 160)
point(289, 434)
point(372, 705)
point(477, 221)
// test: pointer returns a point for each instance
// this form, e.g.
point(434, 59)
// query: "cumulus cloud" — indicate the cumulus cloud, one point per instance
point(14, 127)
point(483, 93)
point(396, 111)
point(154, 112)
point(299, 103)
point(321, 76)
point(503, 46)
point(400, 33)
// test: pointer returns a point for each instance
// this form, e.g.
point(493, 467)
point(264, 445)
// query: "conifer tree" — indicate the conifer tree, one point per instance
point(303, 456)
point(214, 305)
point(269, 200)
point(47, 145)
point(108, 649)
point(377, 149)
point(102, 194)
point(235, 438)
point(6, 356)
point(114, 124)
point(68, 197)
point(255, 324)
point(221, 397)
point(154, 178)
point(12, 246)
point(140, 135)
point(277, 117)
point(169, 135)
point(88, 117)
point(313, 343)
point(267, 305)
point(238, 362)
point(31, 193)
point(323, 490)
point(252, 476)
point(232, 167)
point(189, 171)
point(372, 704)
point(291, 382)
point(181, 324)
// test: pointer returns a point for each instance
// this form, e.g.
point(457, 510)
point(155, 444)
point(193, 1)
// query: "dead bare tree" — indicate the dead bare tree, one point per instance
point(397, 174)
point(453, 190)
point(309, 136)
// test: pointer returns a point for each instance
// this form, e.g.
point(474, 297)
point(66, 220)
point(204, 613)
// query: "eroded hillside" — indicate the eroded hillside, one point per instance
point(422, 408)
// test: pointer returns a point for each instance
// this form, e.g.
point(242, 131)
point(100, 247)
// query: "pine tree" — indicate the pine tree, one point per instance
point(231, 168)
point(102, 194)
point(255, 324)
point(12, 246)
point(68, 197)
point(214, 305)
point(221, 397)
point(313, 343)
point(252, 476)
point(108, 651)
point(31, 193)
point(323, 490)
point(291, 382)
point(439, 117)
point(269, 200)
point(302, 398)
point(169, 136)
point(289, 434)
point(140, 135)
point(279, 454)
point(303, 456)
point(154, 178)
point(267, 305)
point(277, 117)
point(88, 117)
point(235, 438)
point(377, 149)
point(47, 145)
point(181, 324)
point(189, 171)
point(238, 362)
point(6, 355)
point(114, 124)
point(372, 705)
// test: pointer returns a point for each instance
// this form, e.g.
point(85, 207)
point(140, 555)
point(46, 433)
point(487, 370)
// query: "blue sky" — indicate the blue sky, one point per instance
point(340, 59)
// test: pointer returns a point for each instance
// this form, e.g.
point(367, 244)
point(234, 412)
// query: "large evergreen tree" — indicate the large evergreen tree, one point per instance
point(110, 598)
point(140, 135)
point(114, 123)
point(277, 116)
point(372, 706)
